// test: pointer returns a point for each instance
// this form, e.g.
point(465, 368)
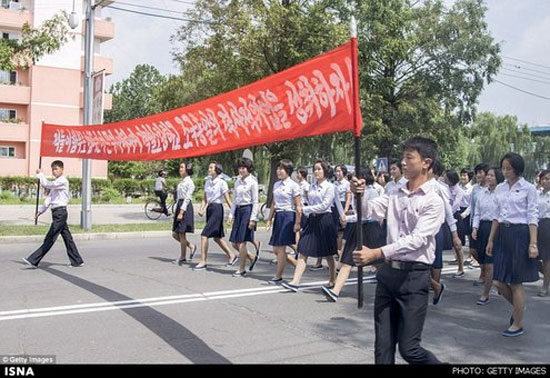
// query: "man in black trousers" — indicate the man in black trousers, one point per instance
point(58, 198)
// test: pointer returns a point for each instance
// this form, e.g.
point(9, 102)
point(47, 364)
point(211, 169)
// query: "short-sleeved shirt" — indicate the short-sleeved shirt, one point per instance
point(159, 183)
point(284, 192)
point(342, 188)
point(214, 189)
point(518, 204)
point(185, 191)
point(485, 207)
point(544, 204)
point(246, 193)
point(320, 198)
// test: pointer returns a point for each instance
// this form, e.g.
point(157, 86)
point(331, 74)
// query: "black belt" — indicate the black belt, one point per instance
point(407, 265)
point(508, 225)
point(239, 206)
point(59, 208)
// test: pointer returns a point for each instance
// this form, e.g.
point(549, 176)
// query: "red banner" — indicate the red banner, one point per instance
point(315, 97)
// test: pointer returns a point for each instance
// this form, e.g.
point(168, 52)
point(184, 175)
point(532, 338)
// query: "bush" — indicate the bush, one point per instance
point(108, 194)
point(127, 187)
point(5, 195)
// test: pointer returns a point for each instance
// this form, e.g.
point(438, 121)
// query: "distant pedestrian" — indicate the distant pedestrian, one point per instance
point(513, 238)
point(160, 191)
point(184, 216)
point(58, 198)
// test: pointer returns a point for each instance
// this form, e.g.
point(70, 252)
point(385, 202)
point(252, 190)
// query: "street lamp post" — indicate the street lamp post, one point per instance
point(86, 212)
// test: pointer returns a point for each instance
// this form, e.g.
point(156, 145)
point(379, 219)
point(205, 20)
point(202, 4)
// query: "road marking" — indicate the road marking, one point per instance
point(162, 301)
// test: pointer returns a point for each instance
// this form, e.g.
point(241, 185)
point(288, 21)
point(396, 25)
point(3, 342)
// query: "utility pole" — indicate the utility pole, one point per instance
point(86, 212)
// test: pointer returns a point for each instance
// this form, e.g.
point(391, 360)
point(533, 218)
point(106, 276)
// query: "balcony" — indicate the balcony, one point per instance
point(100, 63)
point(13, 19)
point(104, 30)
point(14, 132)
point(15, 94)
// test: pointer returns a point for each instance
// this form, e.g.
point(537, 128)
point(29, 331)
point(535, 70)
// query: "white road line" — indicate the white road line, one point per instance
point(161, 301)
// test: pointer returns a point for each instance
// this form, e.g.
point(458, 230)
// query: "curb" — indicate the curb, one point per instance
point(99, 236)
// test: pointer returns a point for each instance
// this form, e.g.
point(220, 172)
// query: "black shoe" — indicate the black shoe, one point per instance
point(440, 295)
point(291, 287)
point(331, 295)
point(29, 264)
point(232, 262)
point(275, 281)
point(239, 274)
point(180, 262)
point(197, 268)
point(193, 250)
point(316, 267)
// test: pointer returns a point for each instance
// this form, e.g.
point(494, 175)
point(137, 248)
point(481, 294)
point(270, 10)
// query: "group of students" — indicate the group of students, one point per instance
point(406, 226)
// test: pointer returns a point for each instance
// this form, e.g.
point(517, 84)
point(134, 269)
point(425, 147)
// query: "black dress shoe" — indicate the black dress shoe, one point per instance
point(293, 288)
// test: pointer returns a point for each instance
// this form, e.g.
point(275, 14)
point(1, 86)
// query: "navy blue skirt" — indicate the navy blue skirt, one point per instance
point(187, 224)
point(512, 264)
point(283, 229)
point(320, 237)
point(336, 216)
point(240, 232)
point(372, 238)
point(543, 241)
point(482, 239)
point(439, 244)
point(460, 227)
point(447, 237)
point(214, 221)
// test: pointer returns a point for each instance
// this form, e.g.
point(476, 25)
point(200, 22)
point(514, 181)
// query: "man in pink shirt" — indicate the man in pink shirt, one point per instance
point(414, 214)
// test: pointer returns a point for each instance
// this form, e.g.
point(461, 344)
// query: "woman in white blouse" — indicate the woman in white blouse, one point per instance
point(544, 229)
point(244, 214)
point(215, 189)
point(184, 217)
point(514, 236)
point(484, 213)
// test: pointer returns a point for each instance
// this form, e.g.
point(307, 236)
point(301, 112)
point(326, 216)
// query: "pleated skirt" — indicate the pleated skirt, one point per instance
point(187, 224)
point(482, 239)
point(283, 229)
point(439, 245)
point(372, 238)
point(240, 232)
point(214, 221)
point(544, 239)
point(320, 236)
point(512, 264)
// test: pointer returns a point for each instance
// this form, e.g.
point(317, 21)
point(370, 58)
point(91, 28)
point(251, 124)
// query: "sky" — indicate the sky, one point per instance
point(522, 27)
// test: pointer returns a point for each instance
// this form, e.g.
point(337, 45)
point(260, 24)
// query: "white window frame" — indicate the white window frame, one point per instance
point(8, 150)
point(9, 110)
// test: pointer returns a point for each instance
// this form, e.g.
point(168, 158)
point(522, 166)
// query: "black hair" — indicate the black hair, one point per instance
point(366, 174)
point(57, 163)
point(245, 163)
point(426, 147)
point(516, 161)
point(498, 174)
point(343, 168)
point(438, 168)
point(161, 172)
point(302, 172)
point(468, 172)
point(349, 176)
point(286, 165)
point(219, 168)
point(543, 173)
point(482, 167)
point(397, 163)
point(327, 170)
point(188, 168)
point(452, 176)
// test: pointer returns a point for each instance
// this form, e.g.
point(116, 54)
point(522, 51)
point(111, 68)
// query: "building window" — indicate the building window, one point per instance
point(8, 115)
point(8, 77)
point(6, 151)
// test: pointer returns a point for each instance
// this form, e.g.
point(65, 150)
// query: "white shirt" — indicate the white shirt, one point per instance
point(47, 202)
point(544, 204)
point(59, 191)
point(284, 192)
point(518, 204)
point(455, 198)
point(159, 183)
point(392, 187)
point(413, 219)
point(476, 190)
point(370, 194)
point(185, 190)
point(320, 198)
point(485, 207)
point(246, 193)
point(342, 188)
point(379, 188)
point(215, 189)
point(443, 190)
point(467, 197)
point(304, 188)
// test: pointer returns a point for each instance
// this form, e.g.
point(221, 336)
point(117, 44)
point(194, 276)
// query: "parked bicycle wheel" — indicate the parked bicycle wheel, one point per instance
point(264, 211)
point(153, 210)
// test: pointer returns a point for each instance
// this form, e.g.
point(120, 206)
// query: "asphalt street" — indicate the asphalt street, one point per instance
point(131, 304)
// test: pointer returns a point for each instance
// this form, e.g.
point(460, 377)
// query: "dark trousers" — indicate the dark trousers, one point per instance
point(162, 195)
point(59, 226)
point(400, 308)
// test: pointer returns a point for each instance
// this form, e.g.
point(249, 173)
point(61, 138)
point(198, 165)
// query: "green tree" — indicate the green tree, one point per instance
point(34, 43)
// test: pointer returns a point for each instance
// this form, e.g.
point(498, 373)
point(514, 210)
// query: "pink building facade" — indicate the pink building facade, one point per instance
point(50, 91)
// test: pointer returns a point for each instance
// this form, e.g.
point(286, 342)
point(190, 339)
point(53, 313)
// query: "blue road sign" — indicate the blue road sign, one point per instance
point(382, 164)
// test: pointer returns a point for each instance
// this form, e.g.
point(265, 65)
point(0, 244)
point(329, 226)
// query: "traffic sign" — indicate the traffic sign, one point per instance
point(382, 164)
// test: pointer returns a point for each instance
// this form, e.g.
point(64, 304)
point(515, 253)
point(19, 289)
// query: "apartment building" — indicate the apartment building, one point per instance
point(50, 91)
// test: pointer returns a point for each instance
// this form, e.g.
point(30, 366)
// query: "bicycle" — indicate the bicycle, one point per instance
point(153, 209)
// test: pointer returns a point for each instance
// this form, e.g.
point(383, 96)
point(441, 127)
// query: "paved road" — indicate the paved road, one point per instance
point(101, 214)
point(130, 304)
